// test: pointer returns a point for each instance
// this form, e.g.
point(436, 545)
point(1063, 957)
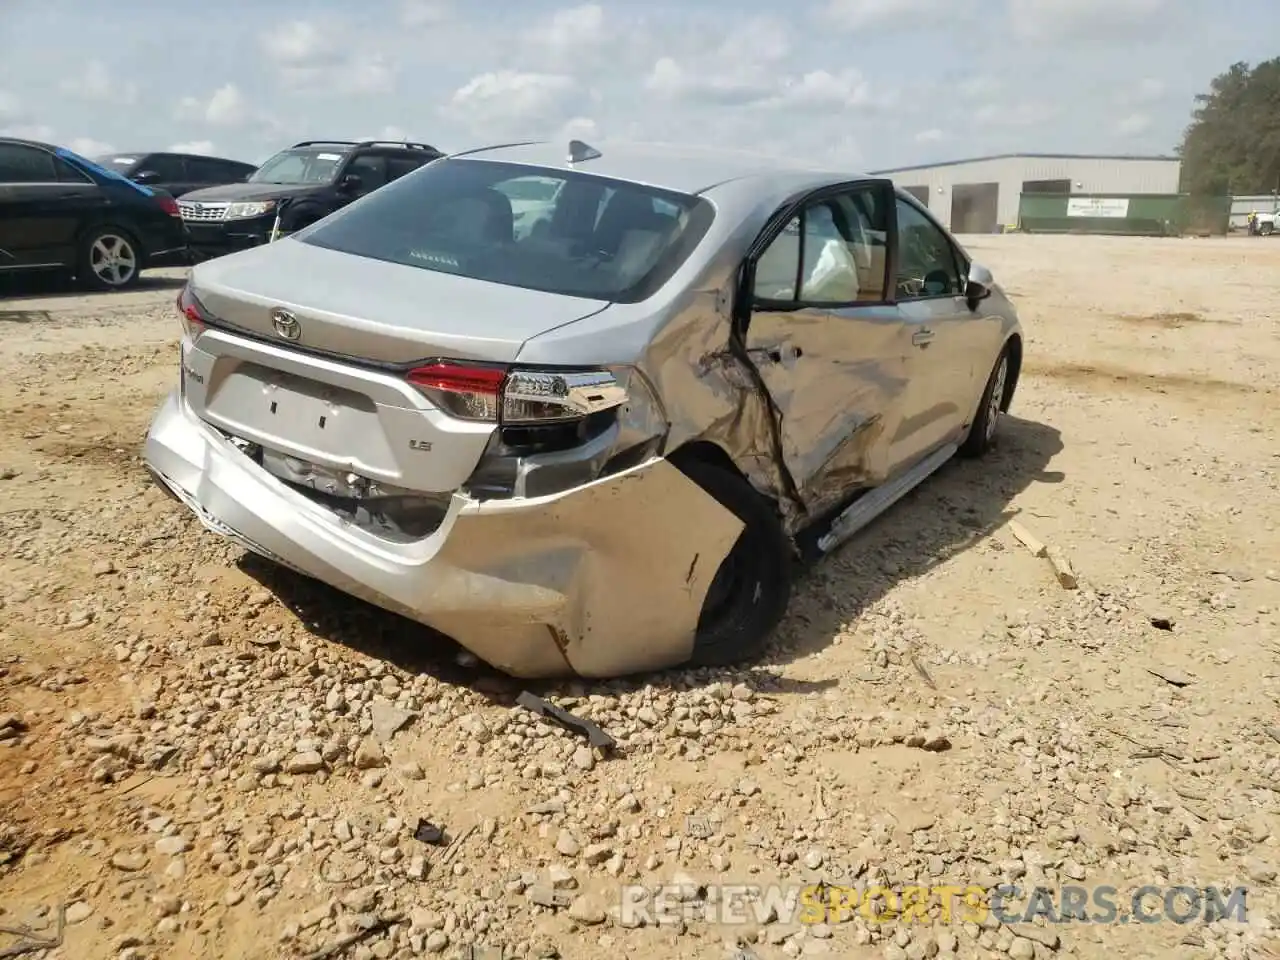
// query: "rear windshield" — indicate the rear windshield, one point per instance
point(299, 167)
point(539, 228)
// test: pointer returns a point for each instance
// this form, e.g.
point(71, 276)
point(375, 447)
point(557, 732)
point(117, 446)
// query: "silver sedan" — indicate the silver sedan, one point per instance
point(581, 407)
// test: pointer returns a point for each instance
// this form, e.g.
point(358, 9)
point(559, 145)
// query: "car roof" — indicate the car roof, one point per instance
point(142, 154)
point(19, 141)
point(684, 169)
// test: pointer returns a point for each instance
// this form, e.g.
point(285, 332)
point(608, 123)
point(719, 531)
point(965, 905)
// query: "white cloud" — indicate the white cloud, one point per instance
point(572, 29)
point(932, 135)
point(819, 88)
point(302, 43)
point(1099, 21)
point(979, 88)
point(424, 13)
point(10, 107)
point(1133, 125)
point(327, 57)
point(857, 15)
point(88, 147)
point(99, 84)
point(30, 131)
point(823, 80)
point(512, 103)
point(1014, 115)
point(225, 107)
point(202, 147)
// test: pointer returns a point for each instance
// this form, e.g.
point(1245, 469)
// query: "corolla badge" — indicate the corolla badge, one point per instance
point(286, 324)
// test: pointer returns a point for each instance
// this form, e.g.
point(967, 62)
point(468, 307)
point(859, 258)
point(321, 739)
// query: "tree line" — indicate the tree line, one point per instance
point(1232, 145)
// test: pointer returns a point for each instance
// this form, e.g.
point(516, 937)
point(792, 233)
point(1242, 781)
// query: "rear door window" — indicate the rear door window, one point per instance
point(371, 169)
point(397, 167)
point(534, 227)
point(22, 164)
point(170, 168)
point(208, 170)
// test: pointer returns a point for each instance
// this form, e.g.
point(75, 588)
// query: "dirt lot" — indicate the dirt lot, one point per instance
point(199, 759)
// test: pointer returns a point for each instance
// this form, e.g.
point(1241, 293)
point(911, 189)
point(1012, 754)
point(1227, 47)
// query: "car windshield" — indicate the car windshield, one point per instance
point(542, 229)
point(299, 166)
point(119, 164)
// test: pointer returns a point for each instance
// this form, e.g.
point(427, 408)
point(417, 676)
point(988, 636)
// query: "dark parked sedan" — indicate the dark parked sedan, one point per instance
point(60, 212)
point(175, 173)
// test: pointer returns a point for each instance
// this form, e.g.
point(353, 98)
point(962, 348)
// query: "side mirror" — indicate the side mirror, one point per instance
point(350, 183)
point(146, 176)
point(979, 285)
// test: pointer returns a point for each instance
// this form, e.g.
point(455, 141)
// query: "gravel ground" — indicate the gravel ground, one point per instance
point(204, 757)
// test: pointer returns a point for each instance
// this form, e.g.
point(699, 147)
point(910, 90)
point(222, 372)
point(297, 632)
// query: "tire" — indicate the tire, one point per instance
point(983, 432)
point(110, 259)
point(752, 587)
point(1267, 229)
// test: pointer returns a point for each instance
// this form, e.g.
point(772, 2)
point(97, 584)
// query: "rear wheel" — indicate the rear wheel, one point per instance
point(109, 259)
point(752, 587)
point(982, 435)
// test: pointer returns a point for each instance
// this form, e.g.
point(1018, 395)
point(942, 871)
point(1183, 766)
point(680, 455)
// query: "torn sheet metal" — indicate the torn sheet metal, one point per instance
point(606, 580)
point(720, 400)
point(602, 580)
point(836, 405)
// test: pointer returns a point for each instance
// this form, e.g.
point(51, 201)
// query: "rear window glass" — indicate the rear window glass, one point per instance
point(542, 229)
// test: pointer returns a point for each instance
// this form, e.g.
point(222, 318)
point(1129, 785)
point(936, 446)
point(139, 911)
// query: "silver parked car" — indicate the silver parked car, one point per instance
point(582, 412)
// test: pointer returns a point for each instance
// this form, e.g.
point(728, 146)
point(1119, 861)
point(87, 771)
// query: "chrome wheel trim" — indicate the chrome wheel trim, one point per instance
point(112, 260)
point(997, 396)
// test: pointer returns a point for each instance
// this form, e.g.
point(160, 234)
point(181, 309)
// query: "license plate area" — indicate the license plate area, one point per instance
point(314, 421)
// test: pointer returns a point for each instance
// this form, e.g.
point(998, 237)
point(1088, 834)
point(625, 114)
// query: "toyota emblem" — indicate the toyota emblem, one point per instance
point(286, 324)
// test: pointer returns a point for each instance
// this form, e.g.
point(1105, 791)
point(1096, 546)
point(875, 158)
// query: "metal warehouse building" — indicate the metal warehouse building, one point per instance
point(979, 195)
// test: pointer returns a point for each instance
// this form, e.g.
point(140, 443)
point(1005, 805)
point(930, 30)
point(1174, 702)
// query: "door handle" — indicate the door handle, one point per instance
point(922, 338)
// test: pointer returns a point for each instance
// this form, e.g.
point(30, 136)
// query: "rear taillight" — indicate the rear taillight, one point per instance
point(476, 392)
point(463, 390)
point(168, 205)
point(194, 316)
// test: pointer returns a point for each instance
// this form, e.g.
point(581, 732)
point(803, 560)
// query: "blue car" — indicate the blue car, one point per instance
point(62, 213)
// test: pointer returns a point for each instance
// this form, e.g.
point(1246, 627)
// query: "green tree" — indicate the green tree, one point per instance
point(1232, 145)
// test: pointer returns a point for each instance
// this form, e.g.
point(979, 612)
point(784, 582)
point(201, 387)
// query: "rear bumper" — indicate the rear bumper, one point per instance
point(166, 244)
point(602, 580)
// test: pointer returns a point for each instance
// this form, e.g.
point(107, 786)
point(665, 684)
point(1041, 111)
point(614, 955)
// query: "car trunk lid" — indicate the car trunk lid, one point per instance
point(374, 311)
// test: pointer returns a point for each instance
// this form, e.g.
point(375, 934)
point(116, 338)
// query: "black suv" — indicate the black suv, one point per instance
point(294, 188)
point(62, 213)
point(175, 173)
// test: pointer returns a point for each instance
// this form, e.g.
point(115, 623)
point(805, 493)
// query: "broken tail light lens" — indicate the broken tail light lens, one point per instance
point(474, 392)
point(466, 391)
point(194, 316)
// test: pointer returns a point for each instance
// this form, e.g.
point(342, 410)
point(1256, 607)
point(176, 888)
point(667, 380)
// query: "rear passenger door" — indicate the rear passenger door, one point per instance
point(827, 340)
point(43, 204)
point(929, 289)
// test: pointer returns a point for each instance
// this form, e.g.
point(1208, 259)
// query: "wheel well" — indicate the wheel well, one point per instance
point(1014, 347)
point(712, 454)
point(703, 451)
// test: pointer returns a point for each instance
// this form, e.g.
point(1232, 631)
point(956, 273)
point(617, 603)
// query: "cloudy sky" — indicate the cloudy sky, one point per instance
point(860, 83)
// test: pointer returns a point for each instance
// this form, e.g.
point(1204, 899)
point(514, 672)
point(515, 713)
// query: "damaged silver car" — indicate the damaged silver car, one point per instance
point(583, 412)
